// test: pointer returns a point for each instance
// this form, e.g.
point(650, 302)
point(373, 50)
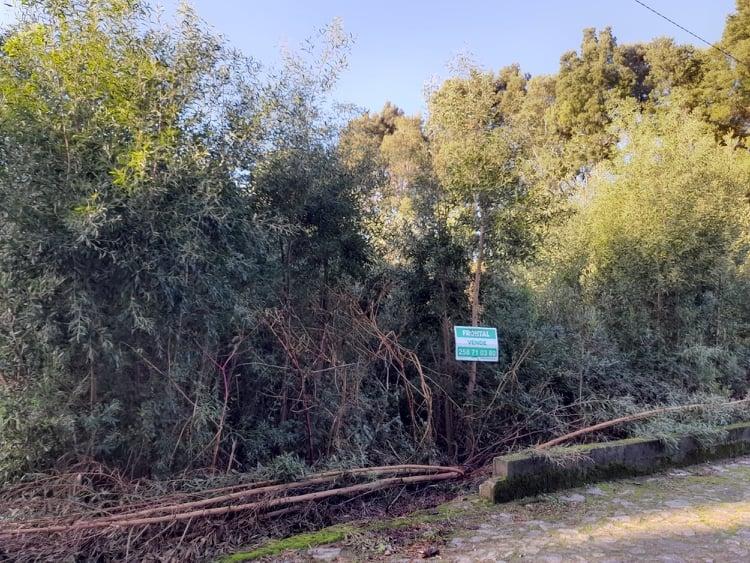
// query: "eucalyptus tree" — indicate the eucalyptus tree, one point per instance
point(724, 90)
point(478, 152)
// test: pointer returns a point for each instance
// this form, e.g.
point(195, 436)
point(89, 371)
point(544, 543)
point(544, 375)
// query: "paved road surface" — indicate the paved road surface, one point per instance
point(701, 513)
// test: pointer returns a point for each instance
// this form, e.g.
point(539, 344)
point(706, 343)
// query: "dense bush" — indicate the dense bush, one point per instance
point(652, 267)
point(203, 266)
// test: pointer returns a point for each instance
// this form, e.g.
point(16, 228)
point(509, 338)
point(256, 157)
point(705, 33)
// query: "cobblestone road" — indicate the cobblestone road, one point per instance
point(701, 513)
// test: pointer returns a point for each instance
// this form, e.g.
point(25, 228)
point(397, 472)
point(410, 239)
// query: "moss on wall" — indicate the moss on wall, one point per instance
point(610, 460)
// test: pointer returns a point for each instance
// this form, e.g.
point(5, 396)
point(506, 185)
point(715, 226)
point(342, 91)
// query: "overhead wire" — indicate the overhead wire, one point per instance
point(686, 30)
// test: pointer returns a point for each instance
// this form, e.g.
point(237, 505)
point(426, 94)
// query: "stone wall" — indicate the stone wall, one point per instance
point(532, 472)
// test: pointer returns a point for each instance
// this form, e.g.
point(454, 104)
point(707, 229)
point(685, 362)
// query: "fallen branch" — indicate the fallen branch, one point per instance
point(128, 522)
point(630, 418)
point(319, 479)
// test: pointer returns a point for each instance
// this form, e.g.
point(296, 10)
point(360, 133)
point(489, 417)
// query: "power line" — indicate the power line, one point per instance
point(686, 30)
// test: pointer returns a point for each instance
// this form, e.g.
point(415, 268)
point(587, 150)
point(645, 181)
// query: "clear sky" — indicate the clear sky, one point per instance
point(402, 44)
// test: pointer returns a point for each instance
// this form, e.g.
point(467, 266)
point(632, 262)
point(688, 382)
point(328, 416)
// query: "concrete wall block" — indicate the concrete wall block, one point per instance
point(529, 473)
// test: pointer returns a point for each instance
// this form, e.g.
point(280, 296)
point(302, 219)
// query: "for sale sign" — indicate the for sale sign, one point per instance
point(476, 344)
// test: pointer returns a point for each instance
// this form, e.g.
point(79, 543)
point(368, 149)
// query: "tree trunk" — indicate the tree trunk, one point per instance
point(475, 305)
point(448, 384)
point(286, 252)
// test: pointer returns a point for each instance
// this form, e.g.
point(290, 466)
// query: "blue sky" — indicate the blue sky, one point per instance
point(402, 44)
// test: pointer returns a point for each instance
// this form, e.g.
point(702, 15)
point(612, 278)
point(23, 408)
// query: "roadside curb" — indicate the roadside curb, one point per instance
point(530, 472)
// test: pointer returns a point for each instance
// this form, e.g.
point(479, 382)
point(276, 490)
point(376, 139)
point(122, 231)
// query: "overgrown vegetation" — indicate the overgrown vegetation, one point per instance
point(202, 266)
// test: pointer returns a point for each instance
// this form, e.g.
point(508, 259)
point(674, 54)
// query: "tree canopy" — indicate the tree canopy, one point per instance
point(205, 263)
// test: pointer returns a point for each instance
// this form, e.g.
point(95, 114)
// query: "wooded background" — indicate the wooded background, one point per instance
point(206, 263)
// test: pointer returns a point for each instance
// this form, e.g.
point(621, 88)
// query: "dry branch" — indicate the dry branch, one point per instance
point(130, 521)
point(631, 418)
point(319, 479)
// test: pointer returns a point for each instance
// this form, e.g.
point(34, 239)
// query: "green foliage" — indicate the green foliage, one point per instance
point(658, 252)
point(203, 264)
point(723, 93)
point(331, 534)
point(133, 251)
point(587, 82)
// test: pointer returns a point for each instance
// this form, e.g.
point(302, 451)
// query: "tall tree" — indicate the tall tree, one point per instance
point(672, 69)
point(478, 153)
point(586, 83)
point(725, 90)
